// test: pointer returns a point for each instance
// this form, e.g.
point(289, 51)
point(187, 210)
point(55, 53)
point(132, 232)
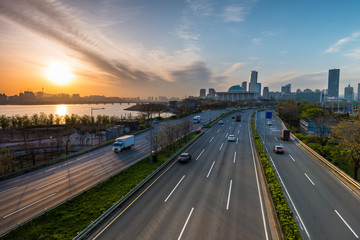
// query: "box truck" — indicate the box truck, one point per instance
point(123, 143)
point(285, 135)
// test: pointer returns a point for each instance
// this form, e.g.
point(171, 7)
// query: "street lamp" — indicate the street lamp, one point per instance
point(92, 122)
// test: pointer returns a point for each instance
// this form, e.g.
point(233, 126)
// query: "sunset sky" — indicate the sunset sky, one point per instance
point(129, 48)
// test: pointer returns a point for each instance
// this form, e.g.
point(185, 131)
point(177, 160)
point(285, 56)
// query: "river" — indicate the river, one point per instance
point(115, 109)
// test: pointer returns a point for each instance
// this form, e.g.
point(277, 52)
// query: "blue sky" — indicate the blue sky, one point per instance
point(174, 48)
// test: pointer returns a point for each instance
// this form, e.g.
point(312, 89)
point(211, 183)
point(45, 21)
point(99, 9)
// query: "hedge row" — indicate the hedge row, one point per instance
point(287, 222)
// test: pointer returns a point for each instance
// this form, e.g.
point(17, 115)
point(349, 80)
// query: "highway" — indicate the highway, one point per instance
point(25, 196)
point(323, 206)
point(217, 195)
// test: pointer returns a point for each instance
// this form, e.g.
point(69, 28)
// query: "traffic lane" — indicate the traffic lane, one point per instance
point(181, 196)
point(300, 170)
point(342, 202)
point(159, 206)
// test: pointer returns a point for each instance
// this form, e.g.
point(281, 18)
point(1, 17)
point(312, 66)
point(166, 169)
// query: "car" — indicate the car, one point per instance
point(198, 130)
point(231, 138)
point(269, 123)
point(221, 122)
point(184, 157)
point(233, 117)
point(278, 149)
point(155, 121)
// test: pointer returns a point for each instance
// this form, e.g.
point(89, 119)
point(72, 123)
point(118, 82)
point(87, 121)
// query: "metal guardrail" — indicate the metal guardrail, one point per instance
point(327, 163)
point(110, 211)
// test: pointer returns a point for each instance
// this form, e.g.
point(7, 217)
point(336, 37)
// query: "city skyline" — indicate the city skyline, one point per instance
point(129, 48)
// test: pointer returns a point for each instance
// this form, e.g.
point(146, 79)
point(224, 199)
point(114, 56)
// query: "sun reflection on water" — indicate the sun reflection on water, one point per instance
point(61, 110)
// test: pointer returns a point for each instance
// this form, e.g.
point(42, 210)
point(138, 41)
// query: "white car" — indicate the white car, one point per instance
point(269, 123)
point(231, 138)
point(221, 122)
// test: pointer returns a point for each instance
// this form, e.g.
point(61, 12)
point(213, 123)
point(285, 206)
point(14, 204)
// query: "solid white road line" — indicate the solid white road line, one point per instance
point(187, 220)
point(174, 188)
point(210, 169)
point(346, 224)
point(258, 186)
point(102, 171)
point(309, 179)
point(228, 200)
point(226, 135)
point(8, 189)
point(200, 154)
point(221, 146)
point(211, 139)
point(291, 157)
point(50, 183)
point(297, 213)
point(218, 130)
point(29, 205)
point(234, 157)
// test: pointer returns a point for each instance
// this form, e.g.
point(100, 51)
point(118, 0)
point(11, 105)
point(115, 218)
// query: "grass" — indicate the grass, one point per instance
point(287, 222)
point(66, 220)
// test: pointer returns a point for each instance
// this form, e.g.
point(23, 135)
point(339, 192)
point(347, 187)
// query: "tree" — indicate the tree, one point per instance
point(347, 135)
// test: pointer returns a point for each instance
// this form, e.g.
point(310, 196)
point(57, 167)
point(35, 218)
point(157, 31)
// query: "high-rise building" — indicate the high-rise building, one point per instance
point(349, 93)
point(211, 93)
point(202, 92)
point(244, 86)
point(266, 94)
point(333, 83)
point(253, 81)
point(286, 89)
point(258, 88)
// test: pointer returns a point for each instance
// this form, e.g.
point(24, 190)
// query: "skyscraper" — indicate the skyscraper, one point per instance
point(244, 86)
point(211, 93)
point(349, 93)
point(333, 83)
point(258, 87)
point(266, 94)
point(253, 81)
point(202, 92)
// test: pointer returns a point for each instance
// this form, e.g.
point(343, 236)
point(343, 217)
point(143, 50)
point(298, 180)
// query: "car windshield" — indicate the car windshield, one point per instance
point(183, 155)
point(117, 144)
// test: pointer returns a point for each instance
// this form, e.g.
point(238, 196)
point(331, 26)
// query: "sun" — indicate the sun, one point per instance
point(59, 73)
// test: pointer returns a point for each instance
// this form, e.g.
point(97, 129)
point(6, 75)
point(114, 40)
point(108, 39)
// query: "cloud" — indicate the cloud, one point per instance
point(336, 47)
point(354, 54)
point(195, 72)
point(256, 41)
point(200, 7)
point(235, 68)
point(298, 80)
point(237, 12)
point(54, 21)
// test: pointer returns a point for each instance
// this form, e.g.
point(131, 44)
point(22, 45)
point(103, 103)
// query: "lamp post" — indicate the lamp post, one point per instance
point(92, 122)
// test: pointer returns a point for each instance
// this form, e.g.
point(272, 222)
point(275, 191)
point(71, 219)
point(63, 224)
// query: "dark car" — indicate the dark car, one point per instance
point(221, 122)
point(184, 157)
point(278, 149)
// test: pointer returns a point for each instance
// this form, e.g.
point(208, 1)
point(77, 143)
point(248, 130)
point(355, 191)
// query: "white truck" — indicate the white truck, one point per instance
point(197, 119)
point(123, 143)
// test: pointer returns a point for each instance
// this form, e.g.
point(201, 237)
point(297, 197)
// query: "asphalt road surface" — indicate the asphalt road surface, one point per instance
point(217, 195)
point(25, 196)
point(323, 206)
